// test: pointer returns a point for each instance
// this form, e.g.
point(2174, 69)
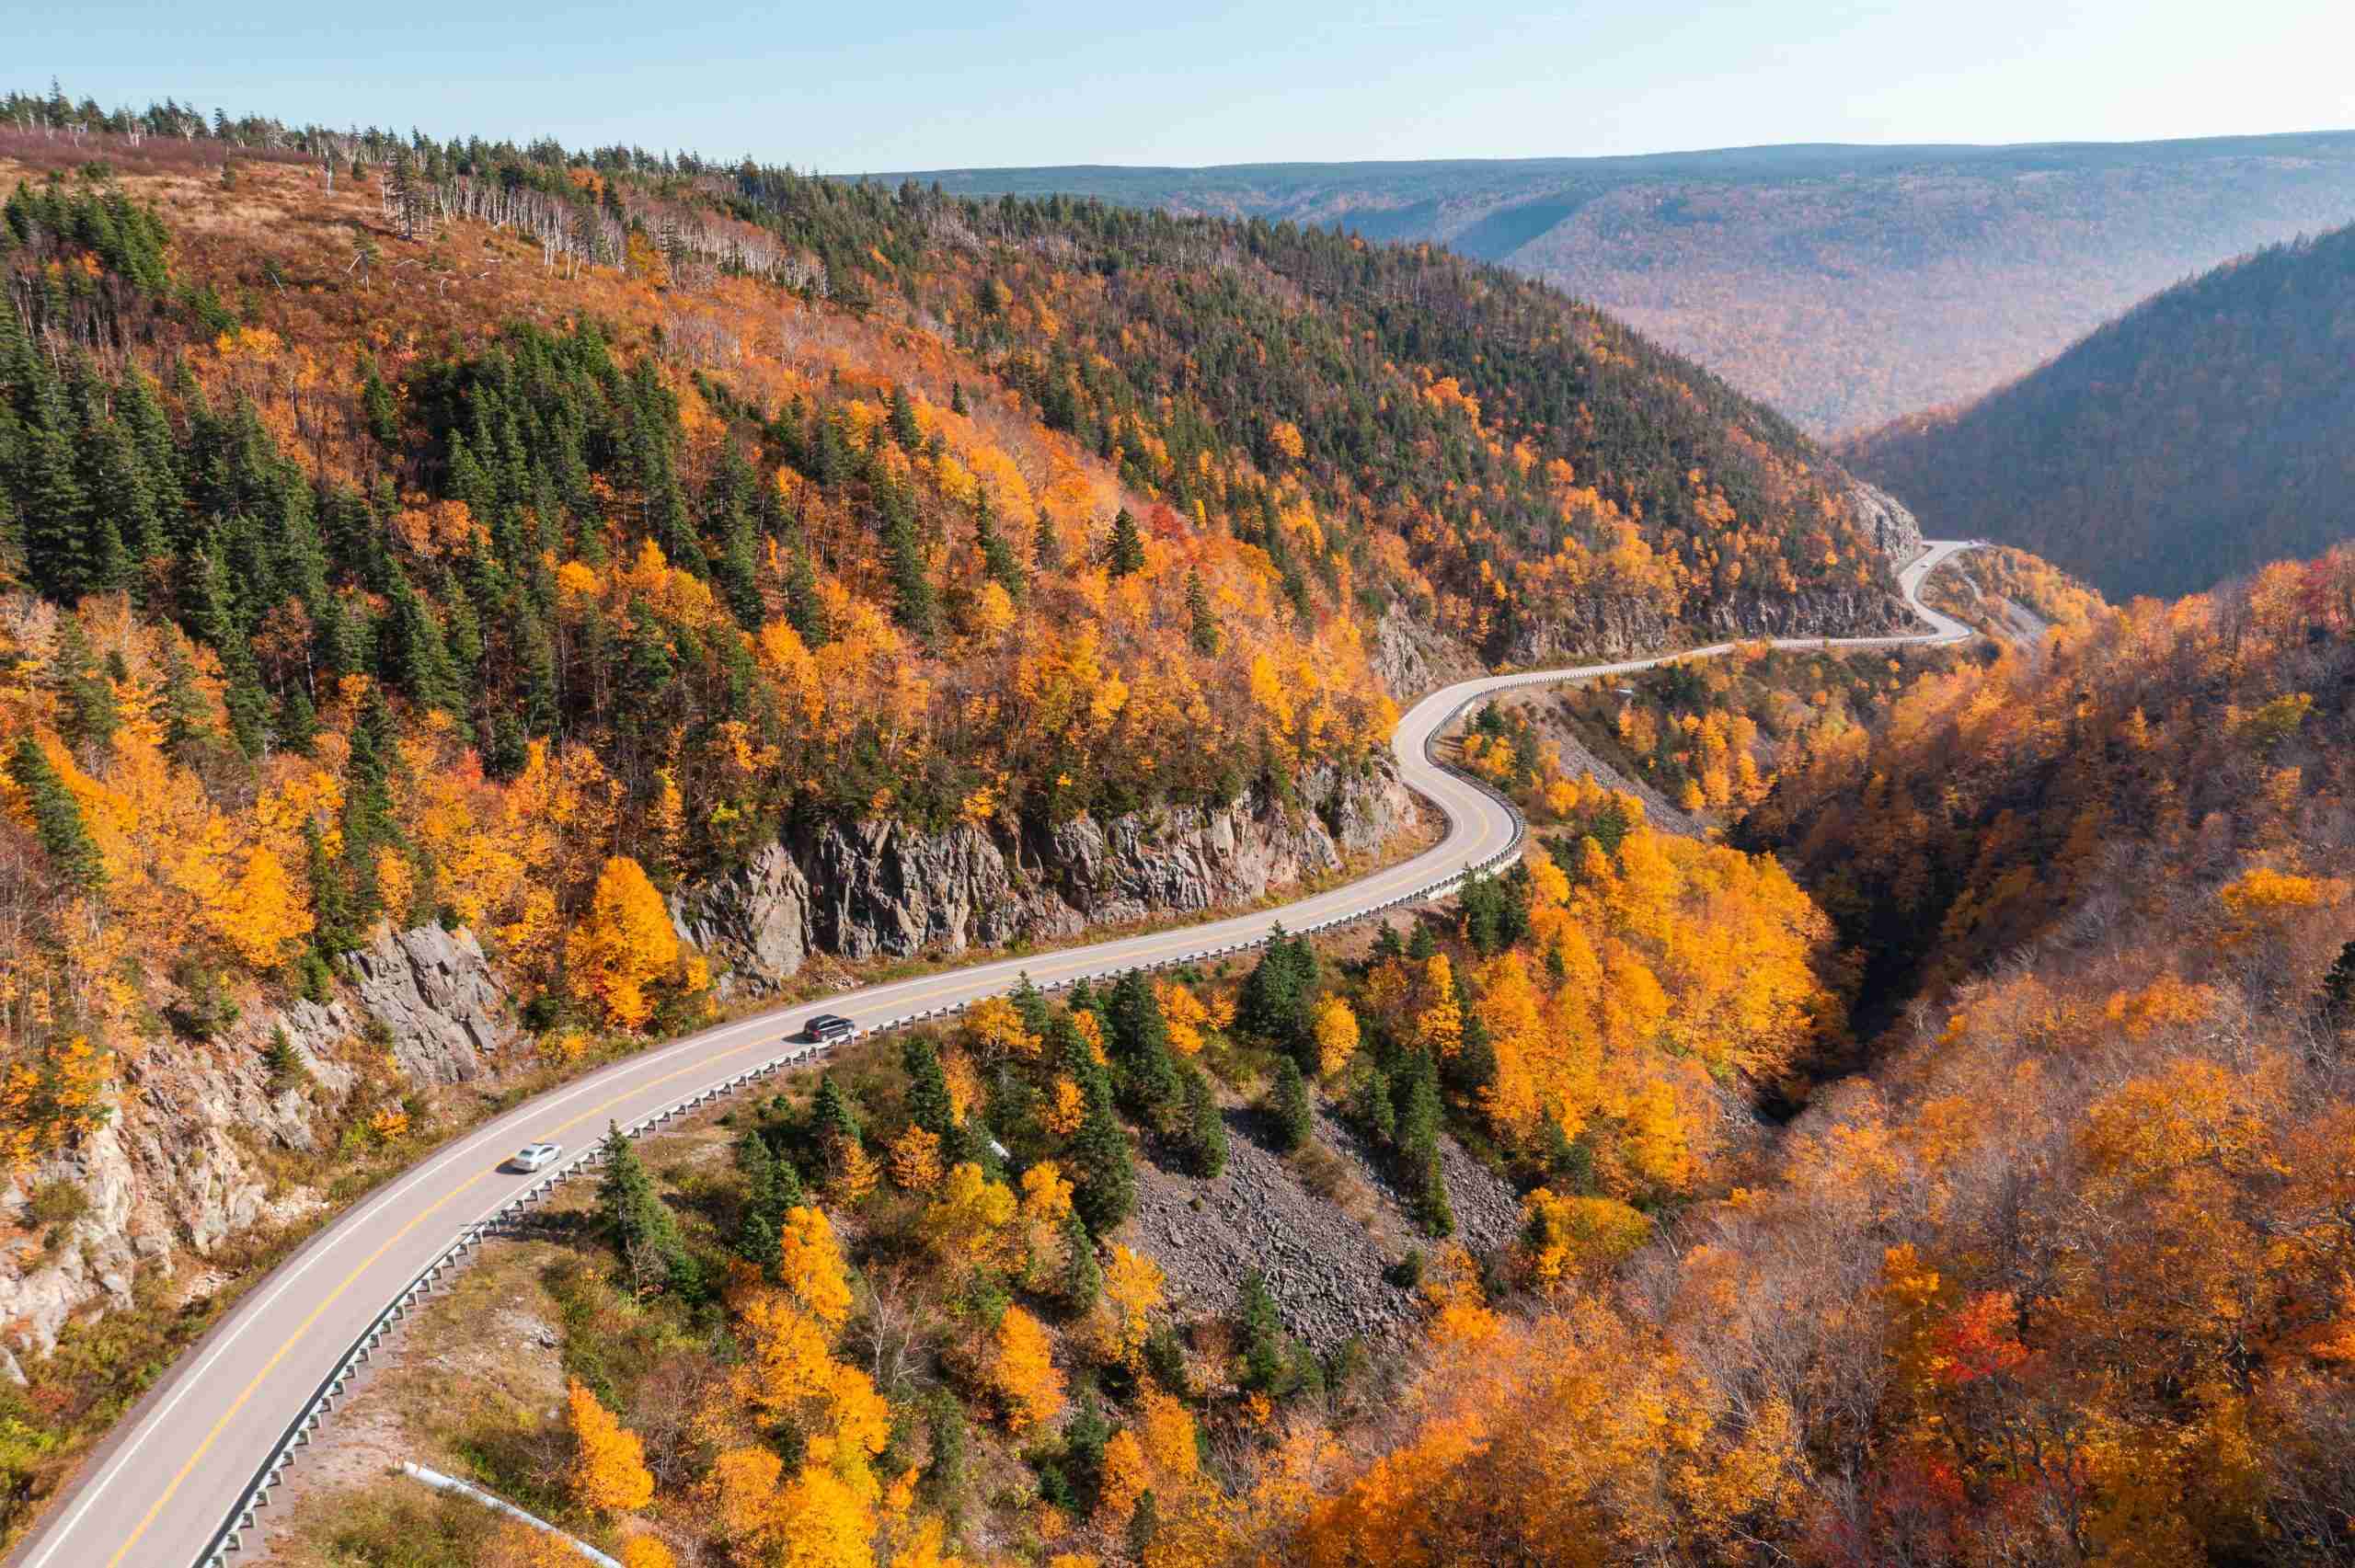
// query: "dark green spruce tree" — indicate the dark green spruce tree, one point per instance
point(57, 819)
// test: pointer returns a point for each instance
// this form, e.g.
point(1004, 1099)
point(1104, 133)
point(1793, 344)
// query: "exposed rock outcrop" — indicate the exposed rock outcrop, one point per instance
point(434, 989)
point(754, 923)
point(1627, 628)
point(1414, 657)
point(1893, 528)
point(882, 888)
point(183, 1167)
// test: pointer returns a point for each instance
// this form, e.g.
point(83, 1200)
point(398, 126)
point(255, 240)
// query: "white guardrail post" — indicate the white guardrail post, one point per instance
point(228, 1540)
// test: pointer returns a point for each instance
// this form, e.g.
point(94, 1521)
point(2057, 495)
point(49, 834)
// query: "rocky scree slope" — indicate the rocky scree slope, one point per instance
point(1326, 1261)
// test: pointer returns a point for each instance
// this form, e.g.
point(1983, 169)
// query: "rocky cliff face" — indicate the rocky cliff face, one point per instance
point(881, 889)
point(1893, 528)
point(1415, 659)
point(191, 1161)
point(195, 1158)
point(433, 990)
point(198, 1156)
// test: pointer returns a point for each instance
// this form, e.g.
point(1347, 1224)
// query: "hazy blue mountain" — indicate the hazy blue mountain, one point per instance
point(1846, 285)
point(2206, 432)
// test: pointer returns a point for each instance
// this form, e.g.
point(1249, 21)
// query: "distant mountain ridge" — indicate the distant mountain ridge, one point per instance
point(2203, 434)
point(1847, 285)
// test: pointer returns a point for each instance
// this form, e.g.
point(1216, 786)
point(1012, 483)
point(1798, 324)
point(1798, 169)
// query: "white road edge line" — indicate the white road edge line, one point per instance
point(1347, 902)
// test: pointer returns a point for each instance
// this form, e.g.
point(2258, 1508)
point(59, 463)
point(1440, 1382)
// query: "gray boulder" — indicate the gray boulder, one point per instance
point(434, 990)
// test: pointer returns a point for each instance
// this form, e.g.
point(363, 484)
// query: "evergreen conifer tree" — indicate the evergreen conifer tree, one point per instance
point(1137, 1039)
point(1046, 549)
point(1295, 1113)
point(1083, 1277)
point(187, 725)
point(756, 1242)
point(914, 603)
point(804, 610)
point(1125, 555)
point(1104, 1177)
point(57, 818)
point(2338, 998)
point(1201, 620)
point(89, 714)
point(832, 1119)
point(1277, 997)
point(999, 563)
point(903, 421)
point(1205, 1129)
point(642, 1226)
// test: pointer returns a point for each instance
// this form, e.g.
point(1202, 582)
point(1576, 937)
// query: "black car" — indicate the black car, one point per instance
point(828, 1027)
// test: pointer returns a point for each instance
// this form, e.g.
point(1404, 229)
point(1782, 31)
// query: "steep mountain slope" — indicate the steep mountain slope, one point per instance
point(468, 609)
point(2063, 1280)
point(2204, 433)
point(1845, 286)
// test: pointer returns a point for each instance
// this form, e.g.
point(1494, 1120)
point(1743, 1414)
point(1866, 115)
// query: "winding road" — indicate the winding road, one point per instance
point(166, 1486)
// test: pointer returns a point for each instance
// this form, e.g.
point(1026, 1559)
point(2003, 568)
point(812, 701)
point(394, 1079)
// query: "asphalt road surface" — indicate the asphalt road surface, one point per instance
point(156, 1493)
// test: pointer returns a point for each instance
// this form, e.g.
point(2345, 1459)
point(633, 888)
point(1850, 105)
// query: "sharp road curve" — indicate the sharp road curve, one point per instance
point(161, 1491)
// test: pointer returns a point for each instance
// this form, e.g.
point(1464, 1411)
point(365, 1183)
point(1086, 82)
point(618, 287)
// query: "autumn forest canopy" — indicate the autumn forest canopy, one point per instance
point(1899, 1107)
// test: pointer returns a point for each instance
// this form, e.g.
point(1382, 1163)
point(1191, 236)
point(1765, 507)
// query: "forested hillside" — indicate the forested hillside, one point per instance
point(2206, 432)
point(678, 504)
point(1844, 285)
point(469, 608)
point(2064, 1279)
point(786, 497)
point(2058, 1276)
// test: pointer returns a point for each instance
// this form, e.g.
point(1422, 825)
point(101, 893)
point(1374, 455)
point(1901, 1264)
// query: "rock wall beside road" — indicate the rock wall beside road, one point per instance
point(195, 1158)
point(1893, 527)
point(206, 1149)
point(884, 889)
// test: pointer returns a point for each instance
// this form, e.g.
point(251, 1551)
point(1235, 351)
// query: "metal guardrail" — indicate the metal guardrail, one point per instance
point(229, 1538)
point(572, 1543)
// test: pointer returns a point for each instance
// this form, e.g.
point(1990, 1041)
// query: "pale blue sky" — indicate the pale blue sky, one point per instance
point(919, 83)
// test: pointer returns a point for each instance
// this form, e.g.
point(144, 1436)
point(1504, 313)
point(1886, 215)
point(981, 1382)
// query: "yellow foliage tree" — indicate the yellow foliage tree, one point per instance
point(647, 1551)
point(965, 1221)
point(622, 943)
point(1133, 1287)
point(1066, 1108)
point(1570, 1238)
point(914, 1161)
point(811, 1266)
point(1125, 1478)
point(1022, 1371)
point(609, 1473)
point(1334, 1028)
point(1168, 1434)
point(1186, 1015)
point(993, 1029)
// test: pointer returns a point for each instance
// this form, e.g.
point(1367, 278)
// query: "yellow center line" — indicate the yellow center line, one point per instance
point(696, 1066)
point(923, 992)
point(352, 1279)
point(271, 1366)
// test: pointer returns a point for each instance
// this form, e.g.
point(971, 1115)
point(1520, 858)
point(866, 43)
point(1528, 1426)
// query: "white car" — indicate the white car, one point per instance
point(535, 1157)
